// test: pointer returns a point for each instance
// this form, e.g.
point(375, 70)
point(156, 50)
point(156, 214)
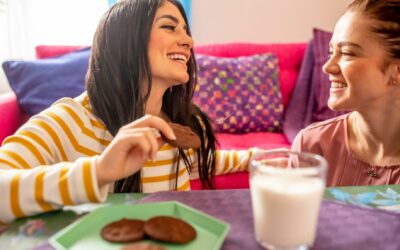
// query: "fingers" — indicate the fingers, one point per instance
point(145, 138)
point(153, 122)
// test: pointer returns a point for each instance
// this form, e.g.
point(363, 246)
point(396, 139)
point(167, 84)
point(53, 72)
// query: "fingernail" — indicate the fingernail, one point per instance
point(173, 136)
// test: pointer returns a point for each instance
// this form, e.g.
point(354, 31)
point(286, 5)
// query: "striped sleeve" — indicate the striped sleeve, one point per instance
point(50, 162)
point(230, 161)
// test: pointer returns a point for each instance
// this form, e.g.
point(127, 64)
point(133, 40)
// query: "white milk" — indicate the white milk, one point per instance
point(286, 209)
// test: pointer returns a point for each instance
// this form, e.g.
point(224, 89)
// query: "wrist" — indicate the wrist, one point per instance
point(101, 174)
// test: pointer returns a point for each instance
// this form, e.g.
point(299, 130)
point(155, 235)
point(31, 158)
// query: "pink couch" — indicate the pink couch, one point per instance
point(290, 57)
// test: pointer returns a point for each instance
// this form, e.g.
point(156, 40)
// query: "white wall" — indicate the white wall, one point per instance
point(27, 23)
point(4, 87)
point(218, 21)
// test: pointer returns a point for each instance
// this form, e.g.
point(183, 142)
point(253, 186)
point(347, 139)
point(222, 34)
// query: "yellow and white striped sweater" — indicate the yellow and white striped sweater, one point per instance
point(49, 162)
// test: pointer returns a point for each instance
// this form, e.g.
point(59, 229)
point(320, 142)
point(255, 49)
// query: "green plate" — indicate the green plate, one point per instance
point(85, 232)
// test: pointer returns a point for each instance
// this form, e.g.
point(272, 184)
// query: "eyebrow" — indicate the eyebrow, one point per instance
point(342, 44)
point(170, 17)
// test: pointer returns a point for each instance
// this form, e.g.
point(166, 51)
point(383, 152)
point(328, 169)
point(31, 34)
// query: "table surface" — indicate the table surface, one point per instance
point(33, 232)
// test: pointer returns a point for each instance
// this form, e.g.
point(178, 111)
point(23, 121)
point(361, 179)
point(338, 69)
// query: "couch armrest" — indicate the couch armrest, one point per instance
point(11, 115)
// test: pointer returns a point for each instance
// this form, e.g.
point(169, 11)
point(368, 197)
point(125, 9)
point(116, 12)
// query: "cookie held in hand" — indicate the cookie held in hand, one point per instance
point(124, 230)
point(169, 229)
point(185, 137)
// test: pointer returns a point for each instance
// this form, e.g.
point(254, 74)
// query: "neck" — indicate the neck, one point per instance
point(154, 103)
point(372, 137)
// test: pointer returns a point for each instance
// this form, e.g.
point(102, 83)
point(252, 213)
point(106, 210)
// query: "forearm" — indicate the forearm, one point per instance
point(44, 188)
point(229, 161)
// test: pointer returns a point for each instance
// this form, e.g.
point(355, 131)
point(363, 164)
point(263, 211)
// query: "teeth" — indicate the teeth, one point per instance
point(177, 57)
point(338, 85)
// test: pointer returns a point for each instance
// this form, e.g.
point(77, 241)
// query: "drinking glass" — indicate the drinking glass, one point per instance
point(286, 192)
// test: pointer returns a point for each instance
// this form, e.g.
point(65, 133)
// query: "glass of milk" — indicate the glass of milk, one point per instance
point(286, 192)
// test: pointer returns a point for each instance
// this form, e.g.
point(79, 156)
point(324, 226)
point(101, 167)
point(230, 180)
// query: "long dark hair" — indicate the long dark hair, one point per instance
point(386, 17)
point(119, 63)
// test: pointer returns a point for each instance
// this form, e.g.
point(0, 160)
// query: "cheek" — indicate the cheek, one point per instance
point(355, 71)
point(157, 41)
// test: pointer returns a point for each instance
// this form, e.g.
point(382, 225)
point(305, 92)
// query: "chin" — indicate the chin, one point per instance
point(182, 80)
point(335, 106)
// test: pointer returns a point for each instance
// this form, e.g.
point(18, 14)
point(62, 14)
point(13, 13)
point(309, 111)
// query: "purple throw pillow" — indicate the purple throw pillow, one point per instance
point(240, 94)
point(300, 108)
point(39, 83)
point(320, 80)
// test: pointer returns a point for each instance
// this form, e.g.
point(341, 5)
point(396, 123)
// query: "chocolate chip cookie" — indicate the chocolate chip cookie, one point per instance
point(124, 230)
point(185, 137)
point(169, 229)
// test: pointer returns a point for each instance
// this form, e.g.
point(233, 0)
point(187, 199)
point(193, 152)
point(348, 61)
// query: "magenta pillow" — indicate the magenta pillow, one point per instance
point(320, 80)
point(240, 94)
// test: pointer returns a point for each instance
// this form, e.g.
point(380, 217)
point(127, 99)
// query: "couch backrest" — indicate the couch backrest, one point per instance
point(290, 56)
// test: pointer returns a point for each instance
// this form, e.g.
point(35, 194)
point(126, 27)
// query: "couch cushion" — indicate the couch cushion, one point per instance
point(265, 140)
point(226, 181)
point(11, 115)
point(37, 84)
point(240, 94)
point(289, 56)
point(320, 80)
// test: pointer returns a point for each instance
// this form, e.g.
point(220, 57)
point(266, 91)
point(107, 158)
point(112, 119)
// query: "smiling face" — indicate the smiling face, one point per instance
point(169, 46)
point(356, 68)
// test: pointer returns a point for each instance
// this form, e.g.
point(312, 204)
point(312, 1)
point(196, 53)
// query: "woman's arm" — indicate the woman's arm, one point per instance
point(48, 163)
point(64, 156)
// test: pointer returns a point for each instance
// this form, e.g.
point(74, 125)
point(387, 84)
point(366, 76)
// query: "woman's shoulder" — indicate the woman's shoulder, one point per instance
point(79, 105)
point(79, 102)
point(77, 109)
point(337, 123)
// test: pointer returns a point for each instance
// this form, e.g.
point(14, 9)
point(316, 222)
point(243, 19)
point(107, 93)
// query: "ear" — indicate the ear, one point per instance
point(395, 73)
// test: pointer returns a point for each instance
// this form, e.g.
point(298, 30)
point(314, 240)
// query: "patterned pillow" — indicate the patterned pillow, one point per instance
point(240, 94)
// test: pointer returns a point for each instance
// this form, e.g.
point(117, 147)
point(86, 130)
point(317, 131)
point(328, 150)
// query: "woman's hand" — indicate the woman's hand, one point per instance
point(134, 144)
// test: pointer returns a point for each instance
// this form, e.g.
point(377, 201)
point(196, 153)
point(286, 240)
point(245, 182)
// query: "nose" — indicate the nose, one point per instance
point(331, 66)
point(186, 41)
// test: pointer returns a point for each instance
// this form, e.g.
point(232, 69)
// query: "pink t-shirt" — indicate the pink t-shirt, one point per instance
point(330, 139)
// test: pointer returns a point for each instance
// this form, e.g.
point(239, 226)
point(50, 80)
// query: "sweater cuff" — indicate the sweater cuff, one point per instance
point(100, 193)
point(90, 191)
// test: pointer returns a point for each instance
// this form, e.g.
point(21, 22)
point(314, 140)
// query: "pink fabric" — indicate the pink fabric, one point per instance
point(227, 181)
point(11, 115)
point(290, 56)
point(330, 139)
point(265, 140)
point(45, 51)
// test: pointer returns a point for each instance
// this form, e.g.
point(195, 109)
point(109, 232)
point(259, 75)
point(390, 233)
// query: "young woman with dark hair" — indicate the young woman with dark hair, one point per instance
point(133, 84)
point(142, 74)
point(362, 147)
